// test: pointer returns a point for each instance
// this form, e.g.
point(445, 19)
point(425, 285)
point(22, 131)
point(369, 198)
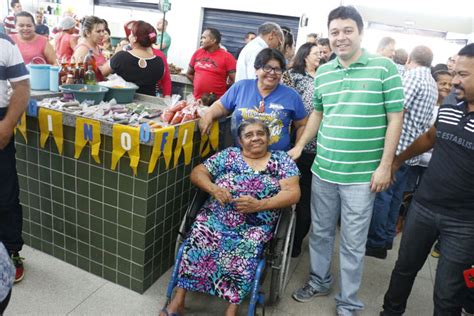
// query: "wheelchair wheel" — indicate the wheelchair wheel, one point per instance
point(282, 254)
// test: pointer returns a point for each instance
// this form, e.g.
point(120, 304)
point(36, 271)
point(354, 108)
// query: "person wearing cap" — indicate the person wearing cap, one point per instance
point(65, 40)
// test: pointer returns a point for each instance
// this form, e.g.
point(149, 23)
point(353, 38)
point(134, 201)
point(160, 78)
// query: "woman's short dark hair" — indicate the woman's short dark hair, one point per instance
point(13, 2)
point(299, 61)
point(88, 23)
point(252, 121)
point(268, 54)
point(25, 14)
point(347, 12)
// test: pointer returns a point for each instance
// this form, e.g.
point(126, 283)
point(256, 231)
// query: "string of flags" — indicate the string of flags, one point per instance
point(125, 139)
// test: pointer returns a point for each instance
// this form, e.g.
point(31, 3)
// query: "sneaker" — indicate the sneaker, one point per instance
point(376, 252)
point(307, 293)
point(465, 313)
point(18, 263)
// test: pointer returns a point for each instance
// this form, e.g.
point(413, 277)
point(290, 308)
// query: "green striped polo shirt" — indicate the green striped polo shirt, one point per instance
point(354, 102)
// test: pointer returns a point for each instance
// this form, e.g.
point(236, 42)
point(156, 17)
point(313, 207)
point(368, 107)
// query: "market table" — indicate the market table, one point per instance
point(112, 223)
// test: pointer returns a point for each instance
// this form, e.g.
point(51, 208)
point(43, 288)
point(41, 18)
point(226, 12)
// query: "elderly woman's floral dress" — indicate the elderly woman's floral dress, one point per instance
point(222, 252)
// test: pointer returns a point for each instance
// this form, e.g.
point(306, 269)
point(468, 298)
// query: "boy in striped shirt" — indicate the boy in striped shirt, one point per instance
point(358, 103)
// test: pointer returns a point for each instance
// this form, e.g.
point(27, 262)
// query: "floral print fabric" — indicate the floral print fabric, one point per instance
point(304, 85)
point(222, 251)
point(7, 273)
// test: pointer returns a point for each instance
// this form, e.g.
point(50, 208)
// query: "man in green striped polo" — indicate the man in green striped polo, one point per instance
point(358, 103)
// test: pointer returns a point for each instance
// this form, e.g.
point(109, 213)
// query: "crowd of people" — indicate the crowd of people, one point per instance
point(348, 136)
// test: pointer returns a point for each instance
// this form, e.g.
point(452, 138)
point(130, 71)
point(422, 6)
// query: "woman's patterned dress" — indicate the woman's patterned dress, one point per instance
point(224, 246)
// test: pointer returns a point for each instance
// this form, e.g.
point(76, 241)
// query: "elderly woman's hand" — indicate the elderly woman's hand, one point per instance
point(247, 204)
point(221, 195)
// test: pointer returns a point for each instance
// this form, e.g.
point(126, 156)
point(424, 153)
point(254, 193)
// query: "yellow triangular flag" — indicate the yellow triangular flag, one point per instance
point(125, 139)
point(51, 122)
point(87, 131)
point(210, 140)
point(21, 126)
point(163, 144)
point(185, 142)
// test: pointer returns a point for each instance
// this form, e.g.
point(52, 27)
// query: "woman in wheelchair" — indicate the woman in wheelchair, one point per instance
point(227, 238)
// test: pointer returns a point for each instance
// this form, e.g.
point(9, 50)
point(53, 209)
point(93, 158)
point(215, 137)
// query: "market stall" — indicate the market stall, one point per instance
point(103, 196)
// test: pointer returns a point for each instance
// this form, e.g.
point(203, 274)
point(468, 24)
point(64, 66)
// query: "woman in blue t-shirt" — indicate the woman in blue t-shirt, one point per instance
point(263, 98)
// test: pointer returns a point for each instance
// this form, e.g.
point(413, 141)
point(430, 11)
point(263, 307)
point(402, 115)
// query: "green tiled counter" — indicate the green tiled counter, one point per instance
point(113, 224)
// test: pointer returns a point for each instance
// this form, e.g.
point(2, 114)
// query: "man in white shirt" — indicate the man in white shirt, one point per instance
point(269, 35)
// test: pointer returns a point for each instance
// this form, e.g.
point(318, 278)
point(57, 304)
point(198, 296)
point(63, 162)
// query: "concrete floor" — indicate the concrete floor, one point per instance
point(53, 287)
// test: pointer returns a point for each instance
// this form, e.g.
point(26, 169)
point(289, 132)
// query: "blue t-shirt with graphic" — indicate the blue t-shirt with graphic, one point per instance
point(278, 109)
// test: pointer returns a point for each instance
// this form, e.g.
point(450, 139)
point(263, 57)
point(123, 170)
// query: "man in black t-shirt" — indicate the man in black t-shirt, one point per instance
point(443, 206)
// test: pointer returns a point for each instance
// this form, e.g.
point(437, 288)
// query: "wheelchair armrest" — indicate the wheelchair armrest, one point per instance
point(197, 202)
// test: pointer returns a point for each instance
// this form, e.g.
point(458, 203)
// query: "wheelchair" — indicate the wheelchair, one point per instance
point(275, 258)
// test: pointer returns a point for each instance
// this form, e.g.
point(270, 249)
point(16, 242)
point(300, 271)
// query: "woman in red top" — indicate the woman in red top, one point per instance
point(164, 84)
point(93, 30)
point(66, 40)
point(33, 47)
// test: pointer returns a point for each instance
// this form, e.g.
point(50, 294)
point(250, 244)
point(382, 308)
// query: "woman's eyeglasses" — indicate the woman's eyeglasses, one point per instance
point(269, 69)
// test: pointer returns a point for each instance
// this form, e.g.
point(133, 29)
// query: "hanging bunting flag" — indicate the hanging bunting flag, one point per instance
point(125, 139)
point(185, 142)
point(211, 140)
point(21, 126)
point(163, 144)
point(51, 122)
point(87, 131)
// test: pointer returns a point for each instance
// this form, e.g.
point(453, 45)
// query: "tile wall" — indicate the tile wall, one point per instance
point(113, 224)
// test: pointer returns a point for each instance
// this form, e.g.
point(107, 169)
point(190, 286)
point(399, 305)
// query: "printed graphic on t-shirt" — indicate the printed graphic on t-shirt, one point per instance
point(205, 63)
point(273, 119)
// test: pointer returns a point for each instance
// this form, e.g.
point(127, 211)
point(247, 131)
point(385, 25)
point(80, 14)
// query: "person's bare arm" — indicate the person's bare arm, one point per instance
point(382, 175)
point(231, 78)
point(299, 127)
point(80, 52)
point(289, 194)
point(422, 144)
point(18, 103)
point(215, 112)
point(201, 178)
point(190, 74)
point(309, 132)
point(105, 69)
point(50, 54)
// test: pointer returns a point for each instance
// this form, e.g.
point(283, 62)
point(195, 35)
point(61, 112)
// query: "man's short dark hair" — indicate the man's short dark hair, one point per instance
point(467, 51)
point(249, 34)
point(215, 33)
point(268, 54)
point(347, 12)
point(422, 55)
point(323, 41)
point(13, 2)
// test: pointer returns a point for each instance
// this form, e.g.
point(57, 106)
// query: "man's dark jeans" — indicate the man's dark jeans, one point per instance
point(421, 230)
point(387, 203)
point(11, 217)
